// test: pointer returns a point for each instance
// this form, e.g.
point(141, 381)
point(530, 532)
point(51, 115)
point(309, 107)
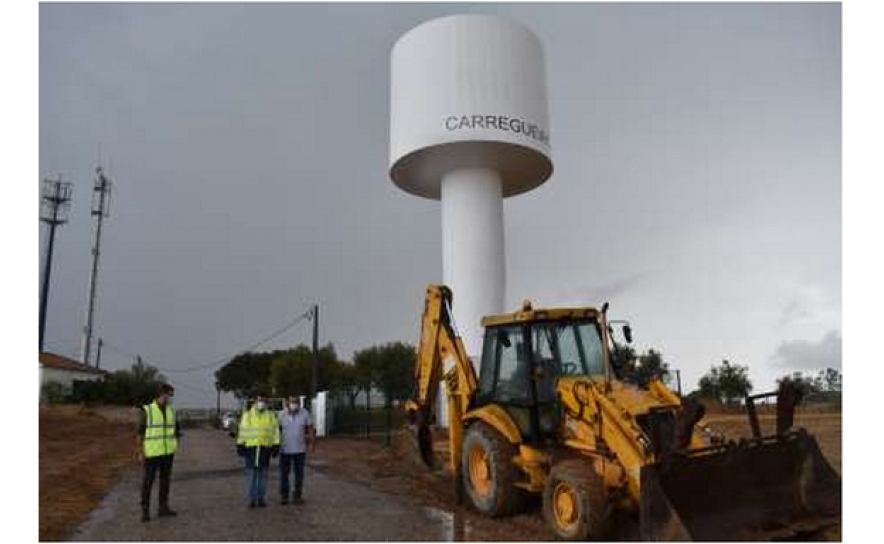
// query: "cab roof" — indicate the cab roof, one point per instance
point(528, 315)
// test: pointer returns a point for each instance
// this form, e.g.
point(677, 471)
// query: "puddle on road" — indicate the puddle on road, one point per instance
point(209, 474)
point(454, 525)
point(106, 511)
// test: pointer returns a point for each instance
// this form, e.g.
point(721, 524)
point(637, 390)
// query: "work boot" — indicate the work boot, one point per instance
point(167, 512)
point(261, 503)
point(252, 504)
point(145, 516)
point(284, 500)
point(296, 497)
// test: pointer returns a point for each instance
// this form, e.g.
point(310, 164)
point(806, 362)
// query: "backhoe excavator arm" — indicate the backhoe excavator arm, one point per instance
point(440, 344)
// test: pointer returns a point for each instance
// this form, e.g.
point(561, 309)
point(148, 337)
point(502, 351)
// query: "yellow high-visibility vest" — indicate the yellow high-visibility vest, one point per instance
point(159, 435)
point(258, 429)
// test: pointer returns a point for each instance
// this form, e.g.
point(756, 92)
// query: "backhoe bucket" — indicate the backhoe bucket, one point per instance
point(414, 442)
point(778, 488)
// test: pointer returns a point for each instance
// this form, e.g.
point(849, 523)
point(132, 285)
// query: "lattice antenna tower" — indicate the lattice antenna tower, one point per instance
point(101, 192)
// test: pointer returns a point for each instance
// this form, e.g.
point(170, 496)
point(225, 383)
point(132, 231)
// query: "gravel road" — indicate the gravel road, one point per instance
point(208, 492)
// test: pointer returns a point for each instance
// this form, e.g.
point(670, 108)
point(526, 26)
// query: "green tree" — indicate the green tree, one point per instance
point(726, 382)
point(395, 371)
point(135, 386)
point(364, 363)
point(388, 367)
point(832, 380)
point(638, 369)
point(651, 365)
point(328, 368)
point(348, 383)
point(805, 383)
point(291, 372)
point(53, 392)
point(246, 373)
point(624, 360)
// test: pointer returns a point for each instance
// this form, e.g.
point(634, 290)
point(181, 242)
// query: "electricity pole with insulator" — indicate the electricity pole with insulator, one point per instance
point(100, 209)
point(98, 354)
point(54, 206)
point(315, 382)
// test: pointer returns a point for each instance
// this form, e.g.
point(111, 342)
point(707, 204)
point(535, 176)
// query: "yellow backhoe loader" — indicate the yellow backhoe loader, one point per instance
point(549, 415)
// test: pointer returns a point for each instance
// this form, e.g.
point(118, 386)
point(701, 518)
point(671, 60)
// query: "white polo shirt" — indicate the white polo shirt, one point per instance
point(293, 429)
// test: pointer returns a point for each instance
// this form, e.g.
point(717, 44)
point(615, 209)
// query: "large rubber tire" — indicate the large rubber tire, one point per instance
point(488, 472)
point(575, 503)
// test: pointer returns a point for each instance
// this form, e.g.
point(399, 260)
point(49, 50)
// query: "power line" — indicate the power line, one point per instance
point(224, 359)
point(179, 383)
point(117, 350)
point(123, 353)
point(298, 319)
point(126, 354)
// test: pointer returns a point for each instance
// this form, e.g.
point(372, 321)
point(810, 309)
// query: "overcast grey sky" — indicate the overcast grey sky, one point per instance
point(697, 182)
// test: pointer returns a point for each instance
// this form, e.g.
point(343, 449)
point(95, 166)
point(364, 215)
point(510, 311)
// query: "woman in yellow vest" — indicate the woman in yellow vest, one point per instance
point(158, 432)
point(257, 442)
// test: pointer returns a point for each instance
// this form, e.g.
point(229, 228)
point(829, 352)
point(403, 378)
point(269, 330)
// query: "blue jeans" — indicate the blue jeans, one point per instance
point(286, 462)
point(256, 482)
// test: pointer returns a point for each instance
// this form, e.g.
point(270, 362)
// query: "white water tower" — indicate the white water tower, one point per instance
point(469, 126)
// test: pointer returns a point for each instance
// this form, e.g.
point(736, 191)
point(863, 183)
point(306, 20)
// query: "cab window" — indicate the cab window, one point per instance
point(505, 371)
point(590, 342)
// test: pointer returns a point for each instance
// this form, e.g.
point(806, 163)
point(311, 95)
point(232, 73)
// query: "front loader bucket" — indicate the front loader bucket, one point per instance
point(778, 488)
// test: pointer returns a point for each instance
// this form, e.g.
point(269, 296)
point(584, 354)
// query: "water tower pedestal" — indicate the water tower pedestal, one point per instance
point(473, 247)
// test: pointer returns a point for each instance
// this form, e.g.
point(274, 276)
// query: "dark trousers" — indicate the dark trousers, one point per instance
point(152, 465)
point(287, 461)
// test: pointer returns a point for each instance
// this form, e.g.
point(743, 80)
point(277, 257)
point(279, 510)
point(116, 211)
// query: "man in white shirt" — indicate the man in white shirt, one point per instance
point(296, 433)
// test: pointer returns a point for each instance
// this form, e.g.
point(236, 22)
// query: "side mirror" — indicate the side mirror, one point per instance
point(627, 333)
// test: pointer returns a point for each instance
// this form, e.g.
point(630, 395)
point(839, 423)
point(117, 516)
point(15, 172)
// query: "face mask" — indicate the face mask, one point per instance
point(260, 406)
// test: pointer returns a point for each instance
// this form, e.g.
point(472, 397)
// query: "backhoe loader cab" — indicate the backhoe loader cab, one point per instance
point(524, 356)
point(547, 416)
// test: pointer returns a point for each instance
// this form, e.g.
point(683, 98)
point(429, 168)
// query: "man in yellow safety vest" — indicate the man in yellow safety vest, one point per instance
point(257, 442)
point(158, 434)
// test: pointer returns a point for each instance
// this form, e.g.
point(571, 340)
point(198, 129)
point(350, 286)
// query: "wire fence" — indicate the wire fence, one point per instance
point(358, 418)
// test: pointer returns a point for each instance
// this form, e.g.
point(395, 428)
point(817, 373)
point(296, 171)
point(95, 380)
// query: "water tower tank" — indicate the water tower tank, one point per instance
point(469, 126)
point(468, 91)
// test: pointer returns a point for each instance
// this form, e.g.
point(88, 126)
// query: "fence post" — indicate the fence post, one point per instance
point(389, 422)
point(368, 414)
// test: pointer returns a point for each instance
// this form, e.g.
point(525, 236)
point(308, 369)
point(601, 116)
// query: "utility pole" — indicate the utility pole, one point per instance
point(678, 380)
point(100, 209)
point(98, 353)
point(54, 205)
point(218, 401)
point(315, 384)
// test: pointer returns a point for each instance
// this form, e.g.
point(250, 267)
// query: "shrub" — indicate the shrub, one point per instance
point(53, 392)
